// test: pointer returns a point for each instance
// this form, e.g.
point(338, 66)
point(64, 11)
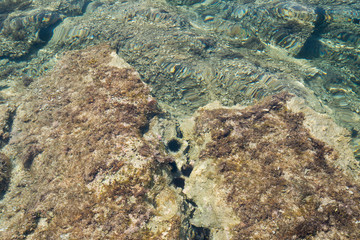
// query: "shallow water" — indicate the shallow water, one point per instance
point(193, 52)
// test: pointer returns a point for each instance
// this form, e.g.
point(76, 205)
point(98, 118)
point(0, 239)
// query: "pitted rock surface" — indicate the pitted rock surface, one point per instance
point(83, 168)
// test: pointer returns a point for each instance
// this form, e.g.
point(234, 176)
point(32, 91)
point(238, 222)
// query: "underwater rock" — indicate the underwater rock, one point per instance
point(22, 30)
point(284, 24)
point(7, 6)
point(94, 157)
point(66, 7)
point(259, 172)
point(26, 25)
point(84, 170)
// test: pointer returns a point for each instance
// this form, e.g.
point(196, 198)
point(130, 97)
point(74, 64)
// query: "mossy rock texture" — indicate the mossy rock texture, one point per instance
point(259, 173)
point(83, 168)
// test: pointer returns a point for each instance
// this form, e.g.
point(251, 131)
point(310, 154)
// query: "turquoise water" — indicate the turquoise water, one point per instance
point(195, 52)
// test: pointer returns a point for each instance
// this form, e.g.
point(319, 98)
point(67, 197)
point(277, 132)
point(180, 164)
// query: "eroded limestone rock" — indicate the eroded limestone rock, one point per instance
point(259, 173)
point(83, 169)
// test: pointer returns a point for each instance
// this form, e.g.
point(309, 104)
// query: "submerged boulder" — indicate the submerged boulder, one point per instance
point(259, 173)
point(83, 168)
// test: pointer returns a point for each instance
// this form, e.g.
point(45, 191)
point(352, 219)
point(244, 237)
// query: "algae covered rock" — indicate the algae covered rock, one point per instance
point(259, 173)
point(94, 157)
point(25, 26)
point(84, 170)
point(22, 30)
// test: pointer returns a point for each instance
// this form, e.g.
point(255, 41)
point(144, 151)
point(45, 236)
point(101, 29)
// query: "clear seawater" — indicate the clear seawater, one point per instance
point(193, 52)
point(190, 53)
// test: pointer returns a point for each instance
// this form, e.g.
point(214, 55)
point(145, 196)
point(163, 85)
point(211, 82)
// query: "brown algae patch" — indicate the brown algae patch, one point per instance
point(279, 181)
point(83, 167)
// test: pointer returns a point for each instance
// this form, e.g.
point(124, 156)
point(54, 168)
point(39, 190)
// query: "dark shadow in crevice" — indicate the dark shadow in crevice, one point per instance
point(84, 8)
point(174, 145)
point(179, 182)
point(354, 133)
point(4, 187)
point(174, 168)
point(2, 193)
point(30, 153)
point(35, 219)
point(312, 46)
point(144, 129)
point(4, 87)
point(46, 33)
point(186, 170)
point(7, 128)
point(178, 132)
point(200, 233)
